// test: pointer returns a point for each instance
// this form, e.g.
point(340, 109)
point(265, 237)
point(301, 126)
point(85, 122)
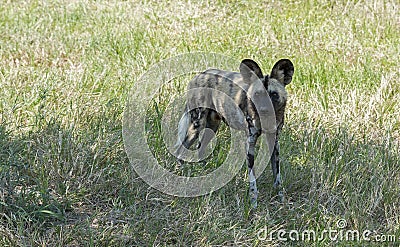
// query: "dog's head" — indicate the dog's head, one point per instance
point(275, 83)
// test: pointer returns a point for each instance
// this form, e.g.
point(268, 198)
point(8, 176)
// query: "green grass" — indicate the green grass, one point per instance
point(66, 69)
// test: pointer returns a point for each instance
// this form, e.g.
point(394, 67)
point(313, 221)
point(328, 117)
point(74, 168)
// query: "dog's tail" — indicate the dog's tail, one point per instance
point(183, 127)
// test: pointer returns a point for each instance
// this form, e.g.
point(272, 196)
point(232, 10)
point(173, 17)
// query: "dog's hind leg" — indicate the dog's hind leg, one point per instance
point(212, 124)
point(189, 128)
point(253, 134)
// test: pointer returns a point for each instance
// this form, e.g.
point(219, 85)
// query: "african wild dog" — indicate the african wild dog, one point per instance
point(247, 95)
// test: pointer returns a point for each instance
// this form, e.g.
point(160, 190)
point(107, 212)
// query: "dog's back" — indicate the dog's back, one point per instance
point(230, 83)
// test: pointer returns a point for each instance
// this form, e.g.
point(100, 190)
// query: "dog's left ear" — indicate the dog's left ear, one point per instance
point(249, 68)
point(283, 71)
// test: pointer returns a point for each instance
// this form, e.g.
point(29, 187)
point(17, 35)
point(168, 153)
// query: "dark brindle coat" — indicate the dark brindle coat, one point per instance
point(247, 92)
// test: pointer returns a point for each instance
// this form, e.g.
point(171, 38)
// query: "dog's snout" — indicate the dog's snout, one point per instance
point(265, 110)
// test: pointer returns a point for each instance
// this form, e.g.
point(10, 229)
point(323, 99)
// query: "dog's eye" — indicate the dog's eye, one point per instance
point(274, 96)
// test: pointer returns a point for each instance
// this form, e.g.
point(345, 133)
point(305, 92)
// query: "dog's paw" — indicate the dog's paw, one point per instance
point(278, 181)
point(180, 162)
point(281, 196)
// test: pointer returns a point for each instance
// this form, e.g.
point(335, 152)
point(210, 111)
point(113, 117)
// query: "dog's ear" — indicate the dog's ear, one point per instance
point(283, 71)
point(249, 68)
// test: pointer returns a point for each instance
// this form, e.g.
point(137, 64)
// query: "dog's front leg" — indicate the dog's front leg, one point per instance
point(251, 143)
point(275, 164)
point(276, 169)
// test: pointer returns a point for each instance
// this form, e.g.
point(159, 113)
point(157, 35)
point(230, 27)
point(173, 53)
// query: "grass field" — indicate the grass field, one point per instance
point(66, 69)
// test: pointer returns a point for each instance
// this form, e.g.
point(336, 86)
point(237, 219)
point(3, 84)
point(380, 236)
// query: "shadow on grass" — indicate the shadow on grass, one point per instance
point(26, 187)
point(334, 174)
point(72, 186)
point(55, 176)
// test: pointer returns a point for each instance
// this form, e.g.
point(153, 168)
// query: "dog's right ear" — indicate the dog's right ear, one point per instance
point(248, 68)
point(283, 71)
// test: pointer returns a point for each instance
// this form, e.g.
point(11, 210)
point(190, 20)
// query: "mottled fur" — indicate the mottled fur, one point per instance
point(209, 102)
